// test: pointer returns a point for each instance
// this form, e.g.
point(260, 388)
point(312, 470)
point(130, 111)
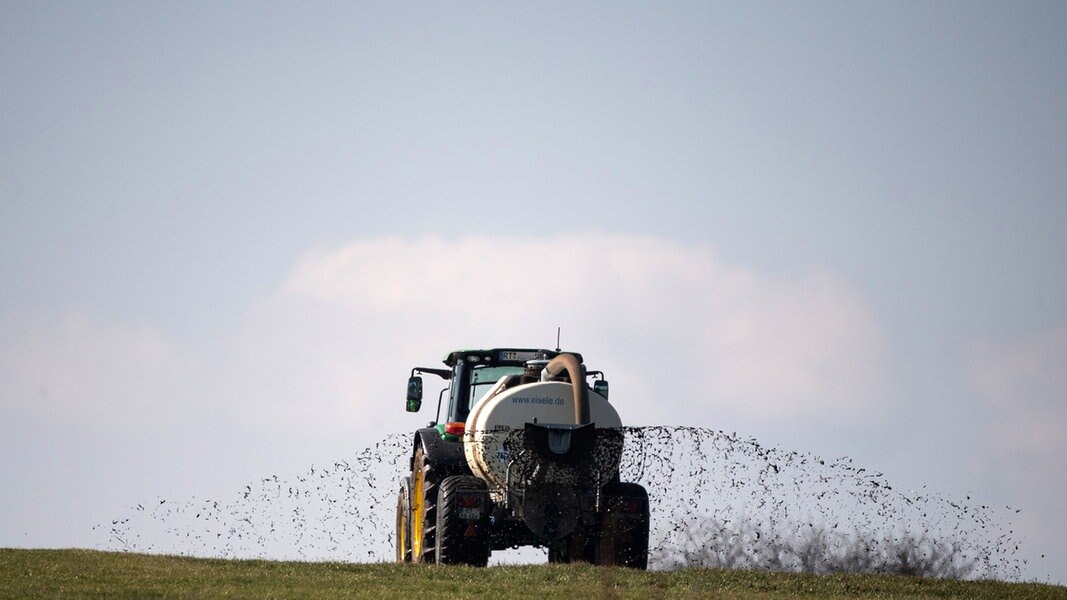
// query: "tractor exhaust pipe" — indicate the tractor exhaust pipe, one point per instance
point(574, 370)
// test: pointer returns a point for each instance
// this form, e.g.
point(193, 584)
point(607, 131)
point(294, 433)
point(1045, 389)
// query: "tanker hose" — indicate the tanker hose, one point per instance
point(574, 370)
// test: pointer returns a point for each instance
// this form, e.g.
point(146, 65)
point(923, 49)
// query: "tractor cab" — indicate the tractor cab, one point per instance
point(472, 373)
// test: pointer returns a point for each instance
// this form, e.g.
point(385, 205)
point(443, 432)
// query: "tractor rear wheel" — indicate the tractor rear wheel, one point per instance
point(624, 527)
point(424, 484)
point(462, 539)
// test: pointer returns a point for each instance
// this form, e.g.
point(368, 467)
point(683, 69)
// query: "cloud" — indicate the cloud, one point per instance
point(673, 322)
point(681, 333)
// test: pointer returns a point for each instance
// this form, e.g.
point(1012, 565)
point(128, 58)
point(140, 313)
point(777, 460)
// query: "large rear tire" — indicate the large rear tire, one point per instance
point(424, 484)
point(461, 541)
point(624, 527)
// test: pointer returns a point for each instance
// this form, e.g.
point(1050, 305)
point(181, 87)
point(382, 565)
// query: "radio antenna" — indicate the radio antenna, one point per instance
point(557, 339)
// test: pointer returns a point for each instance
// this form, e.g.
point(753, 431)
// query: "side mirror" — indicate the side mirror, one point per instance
point(414, 393)
point(600, 386)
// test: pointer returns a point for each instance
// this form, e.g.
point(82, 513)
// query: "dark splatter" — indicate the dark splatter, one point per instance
point(717, 500)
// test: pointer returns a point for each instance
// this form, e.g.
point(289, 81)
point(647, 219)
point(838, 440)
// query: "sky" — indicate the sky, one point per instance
point(227, 233)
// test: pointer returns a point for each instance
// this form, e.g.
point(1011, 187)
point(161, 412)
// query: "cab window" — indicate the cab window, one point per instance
point(484, 378)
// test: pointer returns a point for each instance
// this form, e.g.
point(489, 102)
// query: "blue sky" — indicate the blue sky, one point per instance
point(847, 217)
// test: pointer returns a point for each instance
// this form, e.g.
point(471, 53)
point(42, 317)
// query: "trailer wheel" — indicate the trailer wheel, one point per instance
point(624, 527)
point(403, 523)
point(424, 484)
point(461, 538)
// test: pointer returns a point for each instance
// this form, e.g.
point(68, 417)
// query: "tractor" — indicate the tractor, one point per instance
point(528, 455)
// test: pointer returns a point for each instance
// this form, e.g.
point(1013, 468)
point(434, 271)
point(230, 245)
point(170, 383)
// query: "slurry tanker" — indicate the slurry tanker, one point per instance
point(528, 455)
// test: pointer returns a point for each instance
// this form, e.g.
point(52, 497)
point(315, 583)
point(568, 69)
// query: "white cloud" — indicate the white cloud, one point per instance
point(672, 323)
point(682, 335)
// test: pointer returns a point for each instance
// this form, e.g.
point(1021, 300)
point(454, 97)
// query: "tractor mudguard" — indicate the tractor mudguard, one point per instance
point(437, 450)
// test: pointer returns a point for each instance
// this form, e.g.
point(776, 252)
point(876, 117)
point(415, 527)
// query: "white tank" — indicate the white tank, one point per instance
point(499, 412)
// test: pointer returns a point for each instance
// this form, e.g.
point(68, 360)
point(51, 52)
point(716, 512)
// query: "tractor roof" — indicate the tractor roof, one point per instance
point(504, 356)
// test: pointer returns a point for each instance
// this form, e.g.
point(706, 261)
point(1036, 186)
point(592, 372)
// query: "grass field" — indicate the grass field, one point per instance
point(91, 574)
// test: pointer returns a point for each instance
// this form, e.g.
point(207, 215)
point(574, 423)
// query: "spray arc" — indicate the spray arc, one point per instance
point(528, 454)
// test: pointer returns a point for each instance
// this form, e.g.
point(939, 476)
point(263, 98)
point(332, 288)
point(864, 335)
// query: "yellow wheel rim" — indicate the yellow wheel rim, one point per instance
point(417, 509)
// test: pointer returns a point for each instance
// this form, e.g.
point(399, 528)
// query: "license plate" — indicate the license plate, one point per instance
point(512, 355)
point(471, 514)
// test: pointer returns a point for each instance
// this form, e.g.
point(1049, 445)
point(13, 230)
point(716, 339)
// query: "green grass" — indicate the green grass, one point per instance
point(90, 574)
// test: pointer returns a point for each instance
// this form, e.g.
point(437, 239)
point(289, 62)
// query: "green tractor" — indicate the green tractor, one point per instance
point(528, 455)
